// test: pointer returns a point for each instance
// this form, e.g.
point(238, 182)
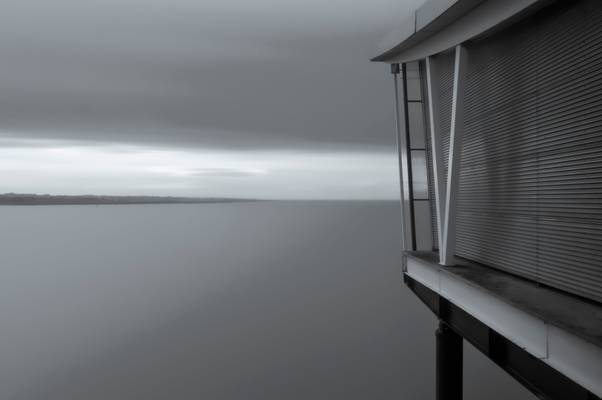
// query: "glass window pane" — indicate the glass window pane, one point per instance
point(422, 218)
point(414, 89)
point(416, 122)
point(419, 175)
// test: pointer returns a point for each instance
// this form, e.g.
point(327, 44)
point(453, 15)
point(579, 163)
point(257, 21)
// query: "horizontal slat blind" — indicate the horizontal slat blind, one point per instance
point(430, 172)
point(530, 197)
point(445, 67)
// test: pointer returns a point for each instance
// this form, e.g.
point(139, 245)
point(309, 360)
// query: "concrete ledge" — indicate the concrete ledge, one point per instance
point(563, 331)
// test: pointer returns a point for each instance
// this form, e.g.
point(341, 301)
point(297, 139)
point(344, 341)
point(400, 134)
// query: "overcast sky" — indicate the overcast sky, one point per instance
point(264, 98)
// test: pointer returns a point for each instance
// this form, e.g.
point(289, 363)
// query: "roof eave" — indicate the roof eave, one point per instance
point(460, 21)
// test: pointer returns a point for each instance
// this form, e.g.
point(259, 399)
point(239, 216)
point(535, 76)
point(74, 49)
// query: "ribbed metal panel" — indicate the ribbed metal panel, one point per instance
point(431, 189)
point(530, 197)
point(445, 67)
point(429, 162)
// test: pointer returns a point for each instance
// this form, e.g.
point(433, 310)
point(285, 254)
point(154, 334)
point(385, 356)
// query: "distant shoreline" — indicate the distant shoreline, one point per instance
point(14, 199)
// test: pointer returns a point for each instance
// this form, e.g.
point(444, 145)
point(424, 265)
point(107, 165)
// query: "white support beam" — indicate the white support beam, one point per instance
point(455, 151)
point(407, 202)
point(432, 79)
point(406, 238)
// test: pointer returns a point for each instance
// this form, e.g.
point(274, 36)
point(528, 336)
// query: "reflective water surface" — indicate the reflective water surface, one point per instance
point(268, 300)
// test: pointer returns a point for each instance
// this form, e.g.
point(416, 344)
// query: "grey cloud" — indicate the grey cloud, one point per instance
point(224, 172)
point(192, 73)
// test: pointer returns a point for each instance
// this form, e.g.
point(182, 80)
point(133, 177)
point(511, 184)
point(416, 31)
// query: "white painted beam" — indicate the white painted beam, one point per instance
point(406, 238)
point(448, 249)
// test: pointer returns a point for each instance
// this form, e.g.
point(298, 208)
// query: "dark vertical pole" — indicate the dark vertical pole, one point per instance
point(395, 72)
point(409, 155)
point(449, 363)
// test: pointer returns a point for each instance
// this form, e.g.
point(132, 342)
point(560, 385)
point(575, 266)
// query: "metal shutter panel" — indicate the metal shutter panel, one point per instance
point(531, 176)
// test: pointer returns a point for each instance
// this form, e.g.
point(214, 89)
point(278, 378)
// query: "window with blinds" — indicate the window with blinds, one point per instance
point(530, 199)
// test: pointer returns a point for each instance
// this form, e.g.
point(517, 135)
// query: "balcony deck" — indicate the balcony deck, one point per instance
point(581, 317)
point(549, 340)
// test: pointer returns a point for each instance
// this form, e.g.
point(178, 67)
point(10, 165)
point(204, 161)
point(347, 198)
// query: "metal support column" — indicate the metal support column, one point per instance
point(406, 229)
point(408, 158)
point(455, 156)
point(446, 186)
point(449, 363)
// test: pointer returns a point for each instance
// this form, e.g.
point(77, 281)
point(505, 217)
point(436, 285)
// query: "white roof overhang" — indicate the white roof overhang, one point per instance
point(439, 25)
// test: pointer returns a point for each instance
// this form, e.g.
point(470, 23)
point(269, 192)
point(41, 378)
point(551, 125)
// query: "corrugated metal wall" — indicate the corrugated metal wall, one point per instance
point(445, 66)
point(429, 162)
point(531, 176)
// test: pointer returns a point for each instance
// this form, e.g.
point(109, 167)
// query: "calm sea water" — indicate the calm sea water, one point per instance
point(270, 300)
